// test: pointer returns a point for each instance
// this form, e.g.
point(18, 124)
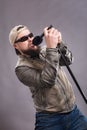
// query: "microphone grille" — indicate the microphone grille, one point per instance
point(37, 40)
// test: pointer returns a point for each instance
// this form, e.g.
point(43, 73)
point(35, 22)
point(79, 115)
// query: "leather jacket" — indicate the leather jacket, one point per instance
point(48, 83)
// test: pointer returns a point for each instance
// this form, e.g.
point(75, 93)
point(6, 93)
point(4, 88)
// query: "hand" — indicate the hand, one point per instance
point(59, 38)
point(52, 37)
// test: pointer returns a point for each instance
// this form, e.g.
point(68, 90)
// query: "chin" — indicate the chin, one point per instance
point(33, 51)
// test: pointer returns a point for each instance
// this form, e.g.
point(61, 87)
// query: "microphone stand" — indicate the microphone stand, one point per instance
point(38, 39)
point(73, 77)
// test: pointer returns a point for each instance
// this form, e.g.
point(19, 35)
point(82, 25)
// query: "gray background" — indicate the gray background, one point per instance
point(70, 18)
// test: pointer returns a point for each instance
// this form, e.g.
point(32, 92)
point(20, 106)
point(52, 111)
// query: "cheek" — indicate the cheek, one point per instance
point(24, 46)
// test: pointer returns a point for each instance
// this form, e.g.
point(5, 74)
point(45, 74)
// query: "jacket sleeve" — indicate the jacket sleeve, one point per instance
point(66, 54)
point(41, 78)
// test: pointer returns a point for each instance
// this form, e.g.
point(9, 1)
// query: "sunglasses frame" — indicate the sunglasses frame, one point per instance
point(24, 38)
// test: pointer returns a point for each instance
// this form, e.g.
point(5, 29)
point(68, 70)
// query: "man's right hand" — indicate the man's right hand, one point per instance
point(52, 37)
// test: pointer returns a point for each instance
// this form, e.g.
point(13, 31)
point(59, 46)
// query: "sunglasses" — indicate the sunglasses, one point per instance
point(24, 38)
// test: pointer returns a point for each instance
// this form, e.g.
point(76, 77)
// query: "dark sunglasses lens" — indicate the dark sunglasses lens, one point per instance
point(24, 39)
point(31, 35)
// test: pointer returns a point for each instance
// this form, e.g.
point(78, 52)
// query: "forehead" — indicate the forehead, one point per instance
point(24, 32)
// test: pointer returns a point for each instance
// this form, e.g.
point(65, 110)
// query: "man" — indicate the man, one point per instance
point(40, 68)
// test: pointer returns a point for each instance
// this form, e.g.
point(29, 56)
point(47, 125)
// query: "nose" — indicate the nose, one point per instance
point(30, 39)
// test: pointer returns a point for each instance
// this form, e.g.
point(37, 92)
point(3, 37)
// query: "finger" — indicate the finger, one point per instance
point(60, 37)
point(45, 31)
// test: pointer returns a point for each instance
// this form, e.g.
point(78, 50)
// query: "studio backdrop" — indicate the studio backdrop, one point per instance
point(70, 18)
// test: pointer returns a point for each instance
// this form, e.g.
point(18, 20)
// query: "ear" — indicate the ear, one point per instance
point(15, 46)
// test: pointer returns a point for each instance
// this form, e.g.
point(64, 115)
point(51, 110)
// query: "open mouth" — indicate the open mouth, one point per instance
point(33, 47)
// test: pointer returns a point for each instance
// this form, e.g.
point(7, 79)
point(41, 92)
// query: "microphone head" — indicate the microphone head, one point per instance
point(37, 40)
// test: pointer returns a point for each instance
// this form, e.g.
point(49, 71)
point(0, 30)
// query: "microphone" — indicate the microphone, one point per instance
point(38, 39)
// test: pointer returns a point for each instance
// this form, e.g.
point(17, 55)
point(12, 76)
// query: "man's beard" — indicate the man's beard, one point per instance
point(32, 53)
